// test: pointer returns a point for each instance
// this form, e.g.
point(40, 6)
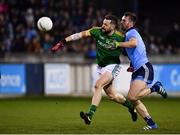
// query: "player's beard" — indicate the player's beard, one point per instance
point(106, 31)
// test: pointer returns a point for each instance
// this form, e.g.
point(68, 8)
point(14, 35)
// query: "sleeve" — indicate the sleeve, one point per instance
point(121, 39)
point(120, 36)
point(131, 34)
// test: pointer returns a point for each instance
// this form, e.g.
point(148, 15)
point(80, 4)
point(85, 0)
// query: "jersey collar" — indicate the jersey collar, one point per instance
point(130, 29)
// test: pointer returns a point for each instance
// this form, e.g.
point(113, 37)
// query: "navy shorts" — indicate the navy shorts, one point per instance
point(144, 73)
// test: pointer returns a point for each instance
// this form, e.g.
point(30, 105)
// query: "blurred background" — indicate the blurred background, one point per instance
point(28, 67)
point(30, 74)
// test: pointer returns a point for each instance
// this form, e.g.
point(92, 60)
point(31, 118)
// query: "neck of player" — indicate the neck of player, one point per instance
point(110, 33)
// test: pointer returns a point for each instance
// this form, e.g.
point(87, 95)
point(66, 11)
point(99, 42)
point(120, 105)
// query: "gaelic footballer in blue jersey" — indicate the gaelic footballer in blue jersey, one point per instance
point(143, 70)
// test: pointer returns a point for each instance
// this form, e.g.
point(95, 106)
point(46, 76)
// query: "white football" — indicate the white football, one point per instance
point(44, 24)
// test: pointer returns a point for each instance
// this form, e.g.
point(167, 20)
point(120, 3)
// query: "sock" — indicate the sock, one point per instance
point(154, 88)
point(149, 120)
point(91, 111)
point(128, 104)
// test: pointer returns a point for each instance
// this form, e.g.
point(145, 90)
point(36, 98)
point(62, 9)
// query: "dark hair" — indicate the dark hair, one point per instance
point(114, 19)
point(132, 16)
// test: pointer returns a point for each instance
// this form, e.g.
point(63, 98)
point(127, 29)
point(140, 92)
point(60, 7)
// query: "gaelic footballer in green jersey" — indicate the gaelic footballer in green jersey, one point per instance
point(108, 64)
point(106, 52)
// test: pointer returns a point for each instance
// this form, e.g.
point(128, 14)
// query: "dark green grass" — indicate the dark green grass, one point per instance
point(61, 115)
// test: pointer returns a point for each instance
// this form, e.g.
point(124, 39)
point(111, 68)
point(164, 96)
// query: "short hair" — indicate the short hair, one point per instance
point(113, 18)
point(132, 16)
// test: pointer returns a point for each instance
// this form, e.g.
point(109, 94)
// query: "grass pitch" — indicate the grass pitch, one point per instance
point(47, 115)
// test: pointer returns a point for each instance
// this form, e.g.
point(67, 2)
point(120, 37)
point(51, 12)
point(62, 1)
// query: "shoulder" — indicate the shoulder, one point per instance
point(132, 31)
point(94, 31)
point(96, 28)
point(119, 33)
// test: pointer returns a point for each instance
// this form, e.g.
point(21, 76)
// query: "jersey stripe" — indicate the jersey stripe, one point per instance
point(119, 33)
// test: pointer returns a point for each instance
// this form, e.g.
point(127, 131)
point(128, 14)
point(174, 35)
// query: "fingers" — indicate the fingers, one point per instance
point(130, 69)
point(55, 48)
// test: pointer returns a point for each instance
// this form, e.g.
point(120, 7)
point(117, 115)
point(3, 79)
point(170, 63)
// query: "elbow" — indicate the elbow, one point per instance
point(133, 45)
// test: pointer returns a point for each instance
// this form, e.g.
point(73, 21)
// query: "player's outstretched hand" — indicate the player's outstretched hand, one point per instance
point(58, 46)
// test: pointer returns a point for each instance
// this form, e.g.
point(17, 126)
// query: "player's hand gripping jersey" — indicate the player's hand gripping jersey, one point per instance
point(106, 52)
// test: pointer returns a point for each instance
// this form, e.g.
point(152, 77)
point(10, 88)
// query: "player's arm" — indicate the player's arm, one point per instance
point(72, 37)
point(127, 44)
point(78, 36)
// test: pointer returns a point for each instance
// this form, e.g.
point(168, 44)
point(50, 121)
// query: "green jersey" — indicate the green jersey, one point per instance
point(105, 49)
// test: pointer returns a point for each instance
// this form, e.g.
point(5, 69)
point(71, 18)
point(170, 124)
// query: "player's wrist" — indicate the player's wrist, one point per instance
point(117, 44)
point(63, 41)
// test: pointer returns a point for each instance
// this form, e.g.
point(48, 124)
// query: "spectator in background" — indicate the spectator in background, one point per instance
point(68, 17)
point(36, 46)
point(47, 44)
point(8, 35)
point(161, 45)
point(30, 34)
point(4, 44)
point(91, 53)
point(153, 47)
point(29, 17)
point(173, 39)
point(1, 32)
point(3, 7)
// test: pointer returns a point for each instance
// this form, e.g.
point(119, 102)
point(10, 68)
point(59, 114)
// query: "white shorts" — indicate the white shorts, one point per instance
point(113, 68)
point(122, 78)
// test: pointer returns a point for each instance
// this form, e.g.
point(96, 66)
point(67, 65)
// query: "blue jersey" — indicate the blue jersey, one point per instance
point(137, 55)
